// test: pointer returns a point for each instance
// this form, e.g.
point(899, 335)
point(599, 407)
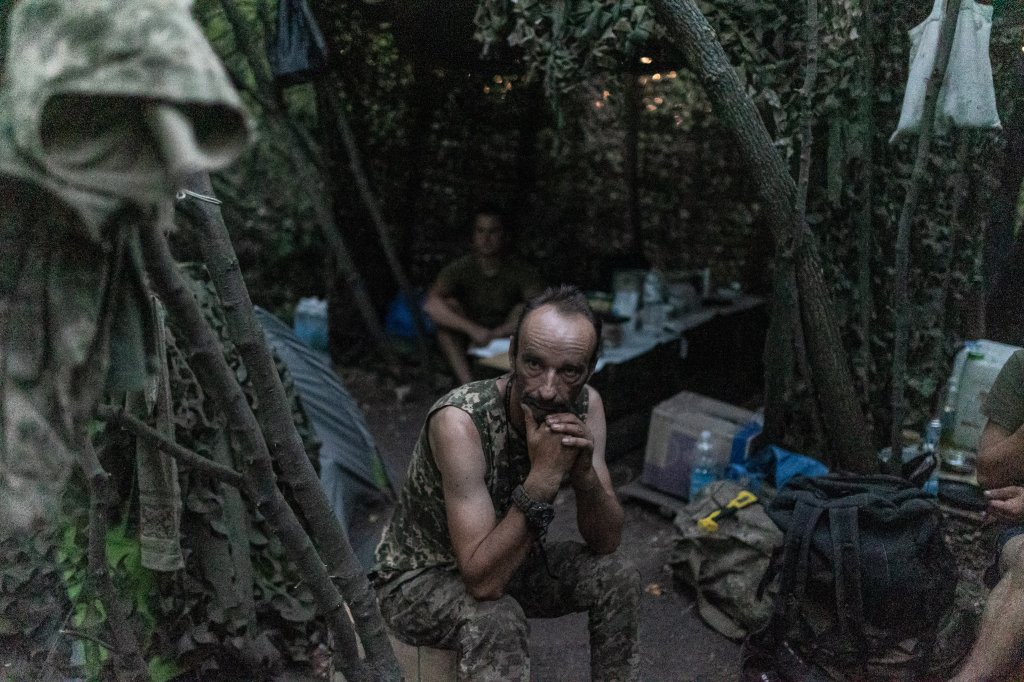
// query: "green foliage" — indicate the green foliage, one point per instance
point(33, 605)
point(193, 619)
point(133, 582)
point(439, 140)
point(566, 42)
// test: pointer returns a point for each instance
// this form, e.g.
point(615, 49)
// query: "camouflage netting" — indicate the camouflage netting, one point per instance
point(228, 604)
point(237, 609)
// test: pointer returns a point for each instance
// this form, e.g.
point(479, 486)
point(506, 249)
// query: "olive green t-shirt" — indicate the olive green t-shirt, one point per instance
point(485, 298)
point(1005, 402)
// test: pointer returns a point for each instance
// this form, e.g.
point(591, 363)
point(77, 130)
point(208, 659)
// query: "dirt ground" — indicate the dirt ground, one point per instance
point(675, 644)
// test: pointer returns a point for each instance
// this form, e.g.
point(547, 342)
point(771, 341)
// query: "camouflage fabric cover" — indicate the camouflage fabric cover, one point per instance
point(726, 567)
point(417, 536)
point(78, 175)
point(228, 605)
point(87, 75)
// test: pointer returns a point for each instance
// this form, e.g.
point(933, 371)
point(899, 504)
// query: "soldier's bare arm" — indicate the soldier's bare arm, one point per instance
point(487, 552)
point(1000, 457)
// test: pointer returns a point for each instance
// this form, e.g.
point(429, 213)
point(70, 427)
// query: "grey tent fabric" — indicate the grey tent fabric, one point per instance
point(351, 471)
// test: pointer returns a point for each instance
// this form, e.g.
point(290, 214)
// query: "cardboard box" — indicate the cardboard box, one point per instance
point(672, 438)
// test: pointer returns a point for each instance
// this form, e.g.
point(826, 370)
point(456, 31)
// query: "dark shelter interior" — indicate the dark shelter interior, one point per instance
point(792, 454)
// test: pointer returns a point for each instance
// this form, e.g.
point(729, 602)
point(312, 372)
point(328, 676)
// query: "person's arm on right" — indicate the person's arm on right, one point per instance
point(487, 552)
point(1001, 446)
point(1000, 456)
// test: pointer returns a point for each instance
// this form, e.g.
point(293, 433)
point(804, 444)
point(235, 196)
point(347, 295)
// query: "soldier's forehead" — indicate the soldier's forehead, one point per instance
point(547, 328)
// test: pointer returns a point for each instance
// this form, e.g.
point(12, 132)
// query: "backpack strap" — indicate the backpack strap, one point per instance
point(846, 564)
point(795, 558)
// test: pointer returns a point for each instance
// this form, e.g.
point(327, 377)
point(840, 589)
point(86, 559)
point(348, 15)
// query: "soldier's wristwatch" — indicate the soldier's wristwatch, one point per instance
point(538, 514)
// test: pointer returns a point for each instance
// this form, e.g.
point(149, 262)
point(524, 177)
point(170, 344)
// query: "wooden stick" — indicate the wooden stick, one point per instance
point(117, 416)
point(901, 296)
point(219, 382)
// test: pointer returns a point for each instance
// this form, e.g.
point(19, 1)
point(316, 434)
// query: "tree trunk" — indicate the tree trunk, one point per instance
point(218, 381)
point(282, 438)
point(778, 353)
point(782, 342)
point(959, 191)
point(800, 215)
point(372, 206)
point(864, 173)
point(848, 432)
point(901, 299)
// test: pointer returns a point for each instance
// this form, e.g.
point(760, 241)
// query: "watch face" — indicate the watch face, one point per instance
point(545, 515)
point(538, 514)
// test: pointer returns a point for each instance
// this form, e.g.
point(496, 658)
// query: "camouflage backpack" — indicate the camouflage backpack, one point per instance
point(726, 566)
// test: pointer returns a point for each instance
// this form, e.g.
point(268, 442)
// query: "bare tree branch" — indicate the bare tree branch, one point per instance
point(901, 296)
point(849, 435)
point(117, 416)
point(300, 150)
point(128, 662)
point(281, 436)
point(372, 205)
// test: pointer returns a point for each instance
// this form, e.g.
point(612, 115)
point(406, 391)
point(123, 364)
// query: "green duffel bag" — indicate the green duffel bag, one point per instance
point(726, 566)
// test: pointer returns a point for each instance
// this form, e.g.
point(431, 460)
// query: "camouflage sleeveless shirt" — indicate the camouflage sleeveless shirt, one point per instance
point(417, 537)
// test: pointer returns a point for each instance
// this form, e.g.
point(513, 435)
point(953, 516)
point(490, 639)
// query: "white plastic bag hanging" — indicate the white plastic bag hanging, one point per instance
point(967, 98)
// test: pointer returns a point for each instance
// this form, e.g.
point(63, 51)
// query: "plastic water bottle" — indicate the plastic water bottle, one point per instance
point(930, 447)
point(311, 322)
point(653, 287)
point(705, 467)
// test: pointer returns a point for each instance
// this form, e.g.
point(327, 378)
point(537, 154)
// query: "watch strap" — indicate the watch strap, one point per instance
point(538, 514)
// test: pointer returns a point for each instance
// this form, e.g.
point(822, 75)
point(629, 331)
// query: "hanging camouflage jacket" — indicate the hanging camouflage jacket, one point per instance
point(78, 175)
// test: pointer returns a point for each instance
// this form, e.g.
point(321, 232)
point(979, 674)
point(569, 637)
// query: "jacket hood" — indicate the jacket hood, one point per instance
point(119, 98)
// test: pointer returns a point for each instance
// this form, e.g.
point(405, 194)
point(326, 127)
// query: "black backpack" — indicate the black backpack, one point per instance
point(864, 569)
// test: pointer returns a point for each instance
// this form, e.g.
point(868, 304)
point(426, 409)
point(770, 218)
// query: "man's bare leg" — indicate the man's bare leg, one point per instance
point(454, 349)
point(997, 650)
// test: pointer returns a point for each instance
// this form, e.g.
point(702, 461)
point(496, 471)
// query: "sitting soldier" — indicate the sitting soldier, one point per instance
point(997, 652)
point(478, 297)
point(463, 562)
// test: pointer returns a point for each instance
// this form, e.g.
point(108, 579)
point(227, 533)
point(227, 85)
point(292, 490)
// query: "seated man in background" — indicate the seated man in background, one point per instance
point(463, 561)
point(998, 651)
point(478, 297)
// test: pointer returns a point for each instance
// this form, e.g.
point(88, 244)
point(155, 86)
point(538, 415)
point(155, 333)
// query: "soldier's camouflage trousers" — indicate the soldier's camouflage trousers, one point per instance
point(491, 637)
